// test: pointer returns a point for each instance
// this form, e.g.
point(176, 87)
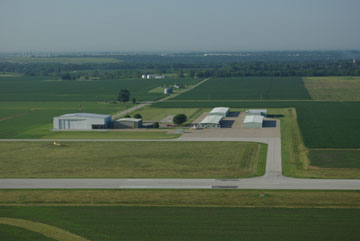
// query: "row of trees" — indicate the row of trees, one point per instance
point(134, 70)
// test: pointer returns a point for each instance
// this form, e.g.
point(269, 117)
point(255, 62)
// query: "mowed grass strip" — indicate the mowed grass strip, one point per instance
point(188, 198)
point(184, 223)
point(335, 158)
point(131, 159)
point(248, 88)
point(335, 88)
point(42, 228)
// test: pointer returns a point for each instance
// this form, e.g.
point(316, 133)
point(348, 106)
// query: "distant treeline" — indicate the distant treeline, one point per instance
point(134, 70)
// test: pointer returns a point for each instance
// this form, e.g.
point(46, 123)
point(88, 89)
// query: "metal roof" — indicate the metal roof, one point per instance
point(89, 115)
point(220, 110)
point(259, 111)
point(253, 119)
point(129, 119)
point(211, 119)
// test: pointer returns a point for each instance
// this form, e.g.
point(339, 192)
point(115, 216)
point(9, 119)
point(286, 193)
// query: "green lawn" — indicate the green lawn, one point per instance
point(201, 223)
point(335, 158)
point(337, 88)
point(132, 159)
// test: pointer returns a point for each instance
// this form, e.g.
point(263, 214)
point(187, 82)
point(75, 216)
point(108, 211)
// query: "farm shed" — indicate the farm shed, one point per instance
point(211, 121)
point(82, 121)
point(220, 111)
point(168, 90)
point(253, 121)
point(126, 123)
point(257, 112)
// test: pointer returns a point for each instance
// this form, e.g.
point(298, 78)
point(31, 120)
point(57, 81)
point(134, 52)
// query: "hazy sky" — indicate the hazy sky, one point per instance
point(160, 25)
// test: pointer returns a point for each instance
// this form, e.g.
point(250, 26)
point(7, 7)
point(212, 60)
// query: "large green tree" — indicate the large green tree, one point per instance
point(179, 119)
point(124, 96)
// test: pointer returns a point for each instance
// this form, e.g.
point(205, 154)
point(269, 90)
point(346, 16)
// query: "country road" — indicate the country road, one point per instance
point(273, 178)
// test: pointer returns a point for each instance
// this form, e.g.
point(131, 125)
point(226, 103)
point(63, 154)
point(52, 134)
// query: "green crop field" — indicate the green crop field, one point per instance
point(202, 223)
point(335, 158)
point(132, 159)
point(249, 88)
point(52, 89)
point(339, 88)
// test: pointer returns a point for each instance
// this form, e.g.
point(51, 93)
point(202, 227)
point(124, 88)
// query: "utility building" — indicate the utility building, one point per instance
point(126, 123)
point(211, 121)
point(168, 90)
point(257, 112)
point(82, 121)
point(220, 111)
point(253, 121)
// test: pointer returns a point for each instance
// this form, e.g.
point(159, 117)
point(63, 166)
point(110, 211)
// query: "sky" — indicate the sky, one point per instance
point(178, 25)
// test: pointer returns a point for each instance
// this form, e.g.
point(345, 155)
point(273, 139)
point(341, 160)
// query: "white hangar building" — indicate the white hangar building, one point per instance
point(82, 121)
point(253, 121)
point(220, 111)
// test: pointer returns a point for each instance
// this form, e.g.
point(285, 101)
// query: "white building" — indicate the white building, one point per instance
point(126, 123)
point(211, 121)
point(82, 121)
point(143, 76)
point(221, 111)
point(257, 112)
point(253, 121)
point(154, 76)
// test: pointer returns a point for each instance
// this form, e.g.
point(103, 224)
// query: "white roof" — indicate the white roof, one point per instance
point(129, 119)
point(220, 110)
point(211, 119)
point(89, 115)
point(257, 111)
point(253, 119)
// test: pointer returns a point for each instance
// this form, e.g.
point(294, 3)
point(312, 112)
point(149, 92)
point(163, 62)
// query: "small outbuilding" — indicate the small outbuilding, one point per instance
point(168, 90)
point(262, 112)
point(253, 121)
point(211, 121)
point(127, 123)
point(81, 121)
point(220, 111)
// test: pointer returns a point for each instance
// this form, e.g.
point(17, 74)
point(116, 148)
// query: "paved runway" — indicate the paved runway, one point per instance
point(272, 179)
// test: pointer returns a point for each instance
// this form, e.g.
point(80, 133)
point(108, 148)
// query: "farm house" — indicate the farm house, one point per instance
point(211, 121)
point(220, 111)
point(126, 123)
point(82, 121)
point(253, 121)
point(257, 112)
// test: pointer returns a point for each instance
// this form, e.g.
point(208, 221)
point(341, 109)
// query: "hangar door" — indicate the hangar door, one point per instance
point(72, 124)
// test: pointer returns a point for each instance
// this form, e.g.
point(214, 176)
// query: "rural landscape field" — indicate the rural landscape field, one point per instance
point(182, 120)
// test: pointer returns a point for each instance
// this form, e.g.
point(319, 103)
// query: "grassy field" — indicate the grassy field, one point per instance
point(344, 88)
point(132, 159)
point(54, 89)
point(335, 158)
point(249, 88)
point(188, 198)
point(35, 119)
point(183, 223)
point(157, 114)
